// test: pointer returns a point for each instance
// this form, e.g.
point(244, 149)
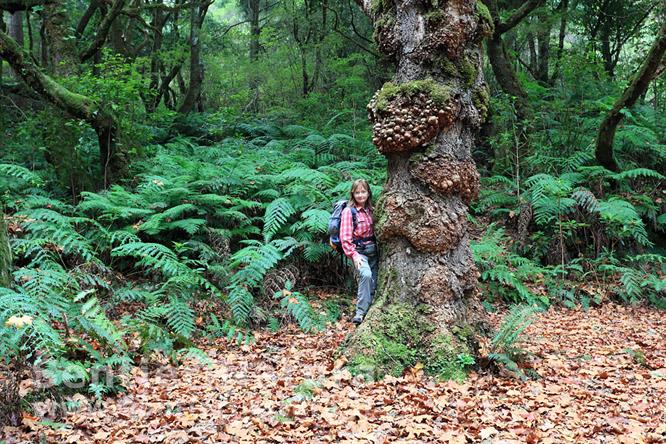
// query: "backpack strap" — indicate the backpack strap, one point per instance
point(360, 240)
point(354, 212)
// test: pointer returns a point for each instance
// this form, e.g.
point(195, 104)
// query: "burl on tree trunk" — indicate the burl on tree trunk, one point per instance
point(426, 307)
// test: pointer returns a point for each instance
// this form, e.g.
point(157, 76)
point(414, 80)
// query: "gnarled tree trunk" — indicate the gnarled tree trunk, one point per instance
point(426, 306)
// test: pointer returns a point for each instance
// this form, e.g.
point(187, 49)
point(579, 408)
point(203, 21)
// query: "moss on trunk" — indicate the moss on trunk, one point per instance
point(403, 336)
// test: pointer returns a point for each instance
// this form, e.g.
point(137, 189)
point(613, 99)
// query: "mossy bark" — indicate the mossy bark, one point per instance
point(5, 254)
point(424, 122)
point(647, 71)
point(113, 159)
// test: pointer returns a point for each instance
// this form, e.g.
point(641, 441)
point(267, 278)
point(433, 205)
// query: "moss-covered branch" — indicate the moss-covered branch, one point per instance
point(651, 65)
point(77, 105)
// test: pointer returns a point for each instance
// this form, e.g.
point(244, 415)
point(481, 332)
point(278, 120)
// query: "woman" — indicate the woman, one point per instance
point(358, 243)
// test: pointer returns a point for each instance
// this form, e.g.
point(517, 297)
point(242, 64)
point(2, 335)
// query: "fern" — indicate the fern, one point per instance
point(298, 306)
point(179, 317)
point(277, 213)
point(622, 220)
point(504, 346)
point(638, 172)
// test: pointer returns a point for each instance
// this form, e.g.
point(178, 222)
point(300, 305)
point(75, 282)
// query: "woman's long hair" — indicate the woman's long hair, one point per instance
point(358, 183)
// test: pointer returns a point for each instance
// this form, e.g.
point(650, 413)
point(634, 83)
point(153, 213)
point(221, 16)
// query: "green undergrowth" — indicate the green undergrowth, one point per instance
point(139, 269)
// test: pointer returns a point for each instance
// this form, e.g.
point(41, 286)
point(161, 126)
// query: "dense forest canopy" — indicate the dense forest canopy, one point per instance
point(167, 170)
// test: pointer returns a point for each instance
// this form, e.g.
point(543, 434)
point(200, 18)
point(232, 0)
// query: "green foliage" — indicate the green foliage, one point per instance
point(505, 345)
point(196, 223)
point(503, 273)
point(298, 306)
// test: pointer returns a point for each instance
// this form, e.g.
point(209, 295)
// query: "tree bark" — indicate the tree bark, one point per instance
point(563, 10)
point(543, 41)
point(192, 99)
point(500, 61)
point(646, 73)
point(113, 160)
point(15, 31)
point(426, 305)
point(5, 254)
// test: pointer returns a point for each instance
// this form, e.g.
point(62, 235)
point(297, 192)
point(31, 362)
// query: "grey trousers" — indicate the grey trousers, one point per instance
point(367, 282)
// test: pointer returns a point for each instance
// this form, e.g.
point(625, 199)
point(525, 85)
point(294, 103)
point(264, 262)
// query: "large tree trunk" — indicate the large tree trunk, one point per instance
point(426, 306)
point(651, 66)
point(5, 254)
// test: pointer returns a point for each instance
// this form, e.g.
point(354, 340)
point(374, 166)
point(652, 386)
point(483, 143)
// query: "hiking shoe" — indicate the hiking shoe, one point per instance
point(357, 319)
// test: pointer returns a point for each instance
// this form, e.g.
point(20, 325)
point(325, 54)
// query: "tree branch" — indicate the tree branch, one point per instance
point(13, 6)
point(103, 32)
point(652, 64)
point(517, 16)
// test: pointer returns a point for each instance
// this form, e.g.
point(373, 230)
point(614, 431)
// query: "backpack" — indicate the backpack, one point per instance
point(334, 224)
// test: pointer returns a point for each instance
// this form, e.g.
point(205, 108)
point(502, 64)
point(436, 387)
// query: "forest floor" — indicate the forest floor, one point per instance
point(602, 379)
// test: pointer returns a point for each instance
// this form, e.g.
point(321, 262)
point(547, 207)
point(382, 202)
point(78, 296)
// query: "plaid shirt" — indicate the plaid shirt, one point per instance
point(364, 228)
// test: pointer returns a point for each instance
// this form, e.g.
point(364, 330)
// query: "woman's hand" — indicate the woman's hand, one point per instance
point(358, 262)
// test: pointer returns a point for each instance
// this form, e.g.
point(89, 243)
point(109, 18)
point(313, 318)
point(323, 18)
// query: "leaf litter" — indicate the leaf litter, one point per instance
point(600, 376)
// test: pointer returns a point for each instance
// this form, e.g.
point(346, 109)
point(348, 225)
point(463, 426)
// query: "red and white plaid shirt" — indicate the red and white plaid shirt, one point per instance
point(364, 228)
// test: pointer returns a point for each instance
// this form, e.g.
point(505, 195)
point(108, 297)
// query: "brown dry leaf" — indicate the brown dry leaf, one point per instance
point(588, 388)
point(488, 432)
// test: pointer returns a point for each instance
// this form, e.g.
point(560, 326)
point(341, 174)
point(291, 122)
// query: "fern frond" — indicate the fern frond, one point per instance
point(277, 214)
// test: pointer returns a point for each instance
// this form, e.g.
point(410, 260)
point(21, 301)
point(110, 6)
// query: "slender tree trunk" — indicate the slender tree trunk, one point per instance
point(253, 10)
point(534, 58)
point(5, 254)
point(543, 43)
point(155, 91)
point(501, 62)
point(15, 31)
point(3, 28)
point(505, 75)
point(426, 306)
point(646, 73)
point(43, 46)
point(193, 97)
point(563, 9)
point(102, 31)
point(606, 54)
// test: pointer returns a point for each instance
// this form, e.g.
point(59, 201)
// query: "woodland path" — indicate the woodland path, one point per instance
point(602, 380)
